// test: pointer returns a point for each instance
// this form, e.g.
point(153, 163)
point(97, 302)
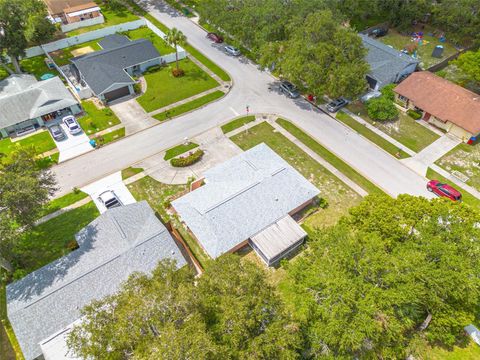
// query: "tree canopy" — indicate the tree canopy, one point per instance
point(391, 271)
point(230, 312)
point(469, 63)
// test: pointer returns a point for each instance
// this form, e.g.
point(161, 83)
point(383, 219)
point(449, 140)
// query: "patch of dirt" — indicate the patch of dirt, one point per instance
point(82, 51)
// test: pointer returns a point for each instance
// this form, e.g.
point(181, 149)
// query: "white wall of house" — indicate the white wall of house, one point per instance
point(84, 23)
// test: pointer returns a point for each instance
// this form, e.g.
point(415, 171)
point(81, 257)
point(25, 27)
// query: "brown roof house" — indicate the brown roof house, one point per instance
point(73, 14)
point(442, 103)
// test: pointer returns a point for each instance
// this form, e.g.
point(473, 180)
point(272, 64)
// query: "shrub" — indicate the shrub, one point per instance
point(188, 160)
point(178, 72)
point(76, 190)
point(381, 109)
point(415, 115)
point(137, 87)
point(387, 91)
point(72, 245)
point(152, 69)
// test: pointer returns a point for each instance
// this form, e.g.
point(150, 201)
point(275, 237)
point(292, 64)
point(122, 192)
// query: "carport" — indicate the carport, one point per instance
point(278, 240)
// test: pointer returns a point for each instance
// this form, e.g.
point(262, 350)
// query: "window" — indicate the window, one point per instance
point(402, 98)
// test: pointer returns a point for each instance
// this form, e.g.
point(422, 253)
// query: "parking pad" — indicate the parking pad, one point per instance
point(73, 145)
point(112, 182)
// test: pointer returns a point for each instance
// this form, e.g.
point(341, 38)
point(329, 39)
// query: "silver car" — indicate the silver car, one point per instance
point(289, 89)
point(72, 124)
point(109, 199)
point(57, 132)
point(232, 50)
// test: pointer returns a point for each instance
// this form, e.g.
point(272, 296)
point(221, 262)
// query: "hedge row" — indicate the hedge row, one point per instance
point(192, 158)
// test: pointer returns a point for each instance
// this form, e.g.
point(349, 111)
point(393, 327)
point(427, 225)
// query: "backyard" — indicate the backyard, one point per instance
point(464, 159)
point(405, 130)
point(63, 56)
point(116, 16)
point(424, 51)
point(164, 89)
point(145, 33)
point(339, 197)
point(96, 119)
point(41, 141)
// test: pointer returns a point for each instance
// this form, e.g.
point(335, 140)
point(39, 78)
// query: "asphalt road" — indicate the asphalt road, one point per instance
point(251, 87)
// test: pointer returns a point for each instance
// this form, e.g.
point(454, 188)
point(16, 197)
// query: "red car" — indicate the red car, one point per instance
point(215, 38)
point(444, 190)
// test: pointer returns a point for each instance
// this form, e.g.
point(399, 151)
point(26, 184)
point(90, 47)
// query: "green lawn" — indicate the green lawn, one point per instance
point(42, 142)
point(112, 17)
point(36, 66)
point(405, 129)
point(235, 124)
point(339, 196)
point(97, 119)
point(145, 33)
point(469, 351)
point(63, 56)
point(467, 198)
point(48, 241)
point(178, 150)
point(343, 167)
point(109, 137)
point(465, 159)
point(63, 201)
point(164, 89)
point(370, 135)
point(399, 41)
point(189, 106)
point(158, 196)
point(130, 171)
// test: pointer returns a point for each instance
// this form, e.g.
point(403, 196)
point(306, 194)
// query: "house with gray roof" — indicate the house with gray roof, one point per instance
point(248, 199)
point(119, 242)
point(27, 104)
point(108, 72)
point(387, 65)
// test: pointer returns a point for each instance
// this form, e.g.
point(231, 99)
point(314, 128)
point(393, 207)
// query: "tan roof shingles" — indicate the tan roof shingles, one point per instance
point(57, 6)
point(443, 99)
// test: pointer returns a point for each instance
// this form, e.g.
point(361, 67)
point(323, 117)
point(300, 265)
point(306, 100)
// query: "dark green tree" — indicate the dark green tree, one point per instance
point(390, 272)
point(469, 63)
point(460, 18)
point(381, 109)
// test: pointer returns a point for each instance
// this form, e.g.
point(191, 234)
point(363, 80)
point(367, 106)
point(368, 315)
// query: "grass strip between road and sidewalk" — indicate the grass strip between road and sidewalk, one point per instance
point(130, 171)
point(237, 123)
point(217, 70)
point(189, 106)
point(334, 160)
point(372, 136)
point(467, 198)
point(178, 150)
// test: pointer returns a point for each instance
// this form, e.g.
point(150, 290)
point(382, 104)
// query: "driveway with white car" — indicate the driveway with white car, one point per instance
point(113, 183)
point(72, 145)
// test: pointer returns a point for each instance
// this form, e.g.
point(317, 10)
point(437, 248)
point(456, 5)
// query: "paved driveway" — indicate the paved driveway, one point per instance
point(132, 115)
point(250, 87)
point(73, 145)
point(112, 182)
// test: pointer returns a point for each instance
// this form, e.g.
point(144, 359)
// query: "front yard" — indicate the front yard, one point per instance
point(112, 17)
point(424, 51)
point(466, 160)
point(164, 89)
point(340, 197)
point(41, 141)
point(405, 130)
point(96, 119)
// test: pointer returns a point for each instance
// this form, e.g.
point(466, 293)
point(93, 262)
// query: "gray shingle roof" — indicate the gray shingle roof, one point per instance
point(119, 242)
point(113, 41)
point(23, 98)
point(385, 62)
point(104, 68)
point(241, 197)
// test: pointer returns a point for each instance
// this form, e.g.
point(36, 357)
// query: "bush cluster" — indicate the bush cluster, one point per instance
point(178, 72)
point(415, 115)
point(152, 69)
point(192, 158)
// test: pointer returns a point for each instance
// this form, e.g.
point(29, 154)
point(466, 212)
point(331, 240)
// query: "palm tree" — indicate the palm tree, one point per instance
point(174, 38)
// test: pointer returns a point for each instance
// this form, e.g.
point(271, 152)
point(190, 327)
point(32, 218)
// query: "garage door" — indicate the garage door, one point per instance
point(116, 94)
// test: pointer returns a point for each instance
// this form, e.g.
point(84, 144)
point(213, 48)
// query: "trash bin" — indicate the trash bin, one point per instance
point(93, 143)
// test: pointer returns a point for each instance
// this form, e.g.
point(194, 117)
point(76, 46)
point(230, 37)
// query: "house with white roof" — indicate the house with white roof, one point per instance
point(248, 199)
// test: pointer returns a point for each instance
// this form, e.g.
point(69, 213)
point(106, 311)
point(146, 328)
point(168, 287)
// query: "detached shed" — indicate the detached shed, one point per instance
point(278, 240)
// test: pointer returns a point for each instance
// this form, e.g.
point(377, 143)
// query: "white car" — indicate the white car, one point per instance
point(232, 50)
point(109, 199)
point(72, 124)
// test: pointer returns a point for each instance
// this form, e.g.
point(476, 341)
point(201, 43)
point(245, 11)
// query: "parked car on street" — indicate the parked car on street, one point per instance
point(289, 89)
point(444, 190)
point(109, 199)
point(232, 50)
point(72, 124)
point(337, 104)
point(57, 132)
point(215, 38)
